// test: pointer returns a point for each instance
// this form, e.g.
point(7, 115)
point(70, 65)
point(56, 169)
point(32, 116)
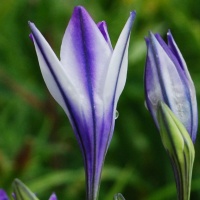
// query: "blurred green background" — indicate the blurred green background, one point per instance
point(37, 144)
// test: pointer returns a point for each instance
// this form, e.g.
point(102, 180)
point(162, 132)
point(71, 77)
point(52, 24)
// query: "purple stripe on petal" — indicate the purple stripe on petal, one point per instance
point(117, 71)
point(173, 47)
point(151, 79)
point(169, 52)
point(113, 88)
point(72, 111)
point(84, 53)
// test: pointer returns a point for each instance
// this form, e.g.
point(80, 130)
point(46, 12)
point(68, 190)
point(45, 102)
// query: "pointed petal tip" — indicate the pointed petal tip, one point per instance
point(53, 196)
point(133, 13)
point(78, 9)
point(150, 35)
point(169, 36)
point(101, 23)
point(31, 24)
point(169, 32)
point(31, 36)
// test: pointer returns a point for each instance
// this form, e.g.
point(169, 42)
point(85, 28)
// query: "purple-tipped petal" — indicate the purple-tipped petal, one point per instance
point(53, 197)
point(165, 80)
point(103, 28)
point(3, 195)
point(85, 54)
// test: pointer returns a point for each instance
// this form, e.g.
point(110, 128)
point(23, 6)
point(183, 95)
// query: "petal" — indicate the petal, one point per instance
point(85, 54)
point(52, 71)
point(55, 77)
point(164, 82)
point(174, 48)
point(60, 85)
point(53, 197)
point(3, 195)
point(169, 52)
point(116, 76)
point(103, 28)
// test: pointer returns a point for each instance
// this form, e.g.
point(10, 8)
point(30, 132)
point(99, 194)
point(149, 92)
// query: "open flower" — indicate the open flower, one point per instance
point(87, 82)
point(167, 79)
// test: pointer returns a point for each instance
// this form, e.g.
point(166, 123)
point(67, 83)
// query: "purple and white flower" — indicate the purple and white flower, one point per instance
point(87, 82)
point(167, 79)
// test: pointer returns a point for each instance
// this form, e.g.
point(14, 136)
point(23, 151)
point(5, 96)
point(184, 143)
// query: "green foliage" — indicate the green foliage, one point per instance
point(37, 144)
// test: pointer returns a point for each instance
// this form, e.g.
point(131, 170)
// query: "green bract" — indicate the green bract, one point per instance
point(179, 147)
point(22, 192)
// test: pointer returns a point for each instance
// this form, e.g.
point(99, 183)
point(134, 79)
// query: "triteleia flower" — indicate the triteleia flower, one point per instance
point(3, 195)
point(167, 79)
point(87, 82)
point(179, 147)
point(22, 192)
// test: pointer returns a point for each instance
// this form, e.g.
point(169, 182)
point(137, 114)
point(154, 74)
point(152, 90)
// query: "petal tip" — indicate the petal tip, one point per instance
point(78, 9)
point(31, 36)
point(30, 23)
point(133, 13)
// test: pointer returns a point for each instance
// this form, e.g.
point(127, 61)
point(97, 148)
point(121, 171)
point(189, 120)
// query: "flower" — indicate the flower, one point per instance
point(21, 192)
point(3, 195)
point(179, 147)
point(167, 79)
point(87, 83)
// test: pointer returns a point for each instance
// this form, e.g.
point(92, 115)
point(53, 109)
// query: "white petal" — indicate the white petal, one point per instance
point(117, 71)
point(57, 81)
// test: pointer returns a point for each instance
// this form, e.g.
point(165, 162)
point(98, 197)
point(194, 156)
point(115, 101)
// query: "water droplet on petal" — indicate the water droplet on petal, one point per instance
point(116, 114)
